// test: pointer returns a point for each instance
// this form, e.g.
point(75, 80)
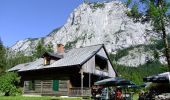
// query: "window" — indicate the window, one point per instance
point(46, 61)
point(101, 63)
point(31, 85)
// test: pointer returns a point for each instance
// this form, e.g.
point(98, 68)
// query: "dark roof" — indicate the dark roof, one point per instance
point(53, 55)
point(77, 56)
point(17, 67)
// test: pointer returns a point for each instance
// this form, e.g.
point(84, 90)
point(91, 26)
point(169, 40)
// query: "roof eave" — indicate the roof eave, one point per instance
point(82, 63)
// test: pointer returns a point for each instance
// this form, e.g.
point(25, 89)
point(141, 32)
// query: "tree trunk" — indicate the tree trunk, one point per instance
point(165, 40)
point(164, 35)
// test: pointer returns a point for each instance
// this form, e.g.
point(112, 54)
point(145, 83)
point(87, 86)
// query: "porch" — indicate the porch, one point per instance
point(45, 88)
point(78, 84)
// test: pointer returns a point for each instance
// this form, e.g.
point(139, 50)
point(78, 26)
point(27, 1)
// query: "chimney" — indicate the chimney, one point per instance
point(60, 48)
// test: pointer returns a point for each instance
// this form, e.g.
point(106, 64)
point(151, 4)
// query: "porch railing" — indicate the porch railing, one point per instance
point(39, 89)
point(77, 91)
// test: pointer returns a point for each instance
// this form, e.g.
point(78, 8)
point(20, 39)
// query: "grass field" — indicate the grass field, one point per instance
point(135, 97)
point(35, 98)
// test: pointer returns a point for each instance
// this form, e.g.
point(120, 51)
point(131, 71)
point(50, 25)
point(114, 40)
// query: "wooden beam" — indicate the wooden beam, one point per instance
point(81, 71)
point(89, 80)
point(23, 88)
point(41, 87)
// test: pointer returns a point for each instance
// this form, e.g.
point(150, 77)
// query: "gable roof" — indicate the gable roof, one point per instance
point(52, 55)
point(17, 67)
point(75, 57)
point(37, 64)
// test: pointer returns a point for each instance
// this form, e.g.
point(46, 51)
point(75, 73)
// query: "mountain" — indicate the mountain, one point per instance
point(100, 23)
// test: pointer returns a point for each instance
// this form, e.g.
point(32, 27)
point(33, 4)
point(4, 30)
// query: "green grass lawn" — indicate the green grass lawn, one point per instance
point(135, 97)
point(35, 98)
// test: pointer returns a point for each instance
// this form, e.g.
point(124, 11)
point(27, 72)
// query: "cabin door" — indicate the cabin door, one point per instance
point(55, 85)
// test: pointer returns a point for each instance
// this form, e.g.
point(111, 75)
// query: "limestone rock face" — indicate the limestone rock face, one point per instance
point(97, 23)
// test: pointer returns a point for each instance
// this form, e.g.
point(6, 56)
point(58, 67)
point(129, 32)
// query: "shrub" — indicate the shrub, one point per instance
point(9, 84)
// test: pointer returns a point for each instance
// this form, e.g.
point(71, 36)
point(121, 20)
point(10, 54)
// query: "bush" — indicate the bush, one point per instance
point(9, 84)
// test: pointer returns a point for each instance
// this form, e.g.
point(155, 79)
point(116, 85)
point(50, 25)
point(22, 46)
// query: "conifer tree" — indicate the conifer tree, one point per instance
point(41, 49)
point(158, 11)
point(2, 56)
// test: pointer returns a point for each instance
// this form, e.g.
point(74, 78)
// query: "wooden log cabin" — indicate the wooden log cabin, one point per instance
point(70, 74)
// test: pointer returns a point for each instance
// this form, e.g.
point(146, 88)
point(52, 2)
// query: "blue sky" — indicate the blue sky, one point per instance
point(20, 19)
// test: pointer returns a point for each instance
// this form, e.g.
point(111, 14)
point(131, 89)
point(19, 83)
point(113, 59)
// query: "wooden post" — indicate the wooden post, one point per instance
point(107, 95)
point(81, 71)
point(89, 80)
point(23, 88)
point(41, 87)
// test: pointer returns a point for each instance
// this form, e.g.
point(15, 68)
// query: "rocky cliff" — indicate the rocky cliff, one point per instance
point(99, 23)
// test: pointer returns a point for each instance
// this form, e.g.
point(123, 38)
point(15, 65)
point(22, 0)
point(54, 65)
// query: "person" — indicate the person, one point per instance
point(99, 91)
point(141, 96)
point(94, 91)
point(119, 94)
point(113, 94)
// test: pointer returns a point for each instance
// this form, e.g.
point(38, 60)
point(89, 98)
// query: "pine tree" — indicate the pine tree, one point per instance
point(18, 58)
point(39, 50)
point(49, 48)
point(2, 56)
point(158, 11)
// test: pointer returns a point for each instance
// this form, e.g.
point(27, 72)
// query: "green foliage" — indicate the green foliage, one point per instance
point(9, 84)
point(31, 85)
point(136, 74)
point(128, 2)
point(7, 61)
point(156, 54)
point(49, 47)
point(71, 44)
point(155, 47)
point(124, 52)
point(39, 98)
point(2, 56)
point(41, 49)
point(157, 10)
point(160, 88)
point(98, 5)
point(18, 58)
point(134, 13)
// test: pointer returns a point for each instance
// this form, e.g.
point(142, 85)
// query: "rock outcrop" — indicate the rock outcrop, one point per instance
point(98, 23)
